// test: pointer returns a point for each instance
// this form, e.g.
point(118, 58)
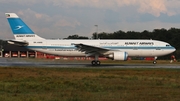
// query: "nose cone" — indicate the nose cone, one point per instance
point(173, 49)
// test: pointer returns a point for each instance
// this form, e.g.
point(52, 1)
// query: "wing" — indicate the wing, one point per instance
point(90, 50)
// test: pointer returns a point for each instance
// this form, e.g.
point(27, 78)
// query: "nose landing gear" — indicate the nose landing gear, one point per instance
point(155, 62)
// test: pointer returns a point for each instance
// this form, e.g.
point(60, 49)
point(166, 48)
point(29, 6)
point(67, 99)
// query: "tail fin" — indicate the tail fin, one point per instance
point(20, 30)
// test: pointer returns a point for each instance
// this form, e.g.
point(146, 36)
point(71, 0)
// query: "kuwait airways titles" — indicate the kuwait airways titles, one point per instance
point(139, 43)
point(127, 43)
point(25, 35)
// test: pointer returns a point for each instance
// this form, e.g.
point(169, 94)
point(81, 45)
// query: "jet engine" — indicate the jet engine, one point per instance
point(118, 56)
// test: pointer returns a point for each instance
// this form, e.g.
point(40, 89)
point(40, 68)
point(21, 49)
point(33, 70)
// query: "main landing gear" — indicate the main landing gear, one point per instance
point(96, 62)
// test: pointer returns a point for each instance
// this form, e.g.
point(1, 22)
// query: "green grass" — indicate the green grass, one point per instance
point(89, 84)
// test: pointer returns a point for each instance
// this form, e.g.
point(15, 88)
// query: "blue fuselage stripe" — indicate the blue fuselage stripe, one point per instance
point(110, 47)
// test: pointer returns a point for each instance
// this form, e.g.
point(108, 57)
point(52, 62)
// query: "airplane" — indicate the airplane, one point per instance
point(112, 49)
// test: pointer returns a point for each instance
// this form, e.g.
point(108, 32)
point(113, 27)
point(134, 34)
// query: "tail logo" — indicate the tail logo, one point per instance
point(20, 30)
point(18, 27)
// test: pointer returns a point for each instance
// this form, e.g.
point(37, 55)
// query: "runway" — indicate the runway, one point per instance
point(16, 62)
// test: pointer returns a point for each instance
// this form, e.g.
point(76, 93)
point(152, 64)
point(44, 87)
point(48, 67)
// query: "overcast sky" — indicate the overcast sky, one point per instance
point(61, 18)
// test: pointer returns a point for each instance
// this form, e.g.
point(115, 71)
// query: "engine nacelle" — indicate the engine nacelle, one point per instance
point(118, 56)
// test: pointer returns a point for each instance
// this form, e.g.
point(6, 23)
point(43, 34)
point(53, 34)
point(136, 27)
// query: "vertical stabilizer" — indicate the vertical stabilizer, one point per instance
point(20, 30)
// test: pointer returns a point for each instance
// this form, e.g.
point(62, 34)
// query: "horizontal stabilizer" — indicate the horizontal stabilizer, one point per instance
point(18, 42)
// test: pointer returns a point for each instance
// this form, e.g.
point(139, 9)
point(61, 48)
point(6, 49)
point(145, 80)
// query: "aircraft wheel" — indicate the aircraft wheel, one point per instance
point(98, 63)
point(154, 62)
point(95, 63)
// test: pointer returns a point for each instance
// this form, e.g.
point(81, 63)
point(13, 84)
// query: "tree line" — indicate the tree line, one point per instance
point(171, 36)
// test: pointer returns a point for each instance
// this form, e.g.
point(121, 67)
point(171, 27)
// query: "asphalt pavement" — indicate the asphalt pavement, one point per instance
point(20, 62)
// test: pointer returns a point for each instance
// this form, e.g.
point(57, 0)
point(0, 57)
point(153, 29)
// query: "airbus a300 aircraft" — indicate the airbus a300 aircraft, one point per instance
point(112, 49)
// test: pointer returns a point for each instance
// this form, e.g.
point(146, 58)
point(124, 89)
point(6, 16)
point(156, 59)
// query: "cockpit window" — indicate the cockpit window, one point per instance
point(167, 45)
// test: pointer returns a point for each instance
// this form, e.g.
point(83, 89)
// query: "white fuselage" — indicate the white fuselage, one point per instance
point(140, 48)
point(112, 49)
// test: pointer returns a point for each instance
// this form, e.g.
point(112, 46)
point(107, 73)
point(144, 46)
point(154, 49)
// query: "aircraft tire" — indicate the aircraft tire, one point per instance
point(154, 62)
point(95, 63)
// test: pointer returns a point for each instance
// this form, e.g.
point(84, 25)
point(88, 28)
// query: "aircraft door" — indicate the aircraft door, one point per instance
point(44, 45)
point(157, 49)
